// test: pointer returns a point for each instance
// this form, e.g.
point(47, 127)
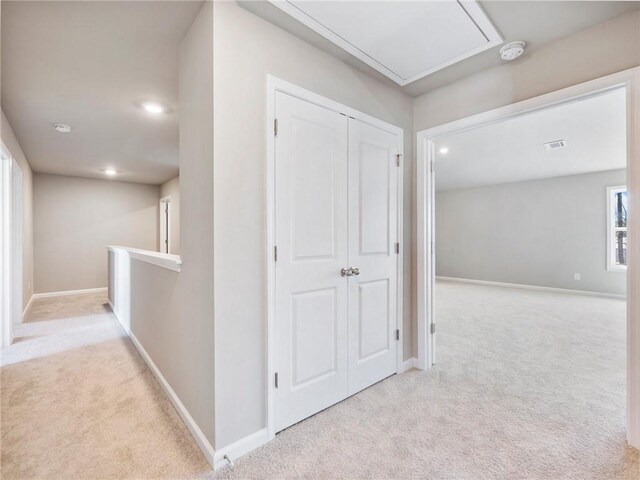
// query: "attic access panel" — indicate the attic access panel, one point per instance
point(403, 40)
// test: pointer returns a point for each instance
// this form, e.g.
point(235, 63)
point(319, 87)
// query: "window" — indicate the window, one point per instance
point(617, 228)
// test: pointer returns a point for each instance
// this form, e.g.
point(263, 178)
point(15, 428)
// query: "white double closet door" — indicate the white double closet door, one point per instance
point(336, 209)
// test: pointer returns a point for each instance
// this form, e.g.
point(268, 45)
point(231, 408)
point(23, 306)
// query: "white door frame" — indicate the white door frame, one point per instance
point(10, 294)
point(630, 81)
point(274, 85)
point(165, 224)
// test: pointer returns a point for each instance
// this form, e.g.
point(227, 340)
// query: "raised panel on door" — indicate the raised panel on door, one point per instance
point(311, 237)
point(373, 232)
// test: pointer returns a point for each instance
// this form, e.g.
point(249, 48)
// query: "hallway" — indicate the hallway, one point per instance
point(79, 402)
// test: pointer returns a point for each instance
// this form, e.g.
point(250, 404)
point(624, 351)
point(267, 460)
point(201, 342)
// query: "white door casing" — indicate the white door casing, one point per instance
point(373, 234)
point(311, 240)
point(16, 245)
point(165, 224)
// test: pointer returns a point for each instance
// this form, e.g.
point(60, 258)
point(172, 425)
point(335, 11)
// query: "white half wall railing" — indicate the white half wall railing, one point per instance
point(139, 298)
point(120, 277)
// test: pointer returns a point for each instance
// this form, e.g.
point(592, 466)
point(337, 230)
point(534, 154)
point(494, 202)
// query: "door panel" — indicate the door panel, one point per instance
point(311, 237)
point(373, 320)
point(313, 336)
point(373, 177)
point(373, 168)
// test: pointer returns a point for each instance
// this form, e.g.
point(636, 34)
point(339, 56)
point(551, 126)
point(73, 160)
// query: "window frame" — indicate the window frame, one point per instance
point(612, 229)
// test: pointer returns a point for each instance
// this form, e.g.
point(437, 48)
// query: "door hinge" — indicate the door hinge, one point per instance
point(276, 380)
point(398, 159)
point(431, 165)
point(432, 248)
point(433, 328)
point(275, 254)
point(397, 248)
point(275, 127)
point(397, 334)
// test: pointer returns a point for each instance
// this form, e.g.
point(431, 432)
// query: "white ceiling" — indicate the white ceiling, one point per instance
point(536, 22)
point(397, 38)
point(90, 65)
point(513, 150)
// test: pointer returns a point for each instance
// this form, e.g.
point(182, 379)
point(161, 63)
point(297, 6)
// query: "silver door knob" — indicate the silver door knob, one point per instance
point(345, 272)
point(355, 271)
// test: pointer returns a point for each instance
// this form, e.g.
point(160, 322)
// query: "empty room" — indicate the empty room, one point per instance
point(530, 262)
point(292, 239)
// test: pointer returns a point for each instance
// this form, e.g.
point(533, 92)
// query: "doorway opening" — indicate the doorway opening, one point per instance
point(506, 240)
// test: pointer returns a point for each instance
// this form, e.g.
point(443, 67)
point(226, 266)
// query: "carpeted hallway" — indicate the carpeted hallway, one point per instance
point(78, 402)
point(529, 385)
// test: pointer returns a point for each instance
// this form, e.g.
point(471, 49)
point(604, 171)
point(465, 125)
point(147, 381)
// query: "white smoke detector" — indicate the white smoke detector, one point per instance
point(512, 50)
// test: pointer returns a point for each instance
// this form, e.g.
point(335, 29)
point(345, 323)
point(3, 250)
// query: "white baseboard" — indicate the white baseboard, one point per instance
point(26, 309)
point(408, 365)
point(68, 292)
point(532, 287)
point(239, 448)
point(197, 434)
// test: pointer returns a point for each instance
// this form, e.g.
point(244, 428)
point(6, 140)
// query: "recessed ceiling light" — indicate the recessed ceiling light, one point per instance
point(62, 128)
point(152, 107)
point(444, 150)
point(512, 50)
point(109, 171)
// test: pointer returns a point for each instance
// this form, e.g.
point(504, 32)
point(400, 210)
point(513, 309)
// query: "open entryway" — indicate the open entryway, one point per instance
point(525, 214)
point(336, 254)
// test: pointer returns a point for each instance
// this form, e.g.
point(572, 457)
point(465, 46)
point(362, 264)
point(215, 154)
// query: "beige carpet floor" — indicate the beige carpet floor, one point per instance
point(528, 385)
point(78, 402)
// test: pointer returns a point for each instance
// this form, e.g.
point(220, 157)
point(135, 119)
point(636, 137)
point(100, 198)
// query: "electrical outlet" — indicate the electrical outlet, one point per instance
point(576, 276)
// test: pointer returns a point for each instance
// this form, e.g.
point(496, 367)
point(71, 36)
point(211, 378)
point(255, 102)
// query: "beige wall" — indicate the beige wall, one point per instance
point(246, 49)
point(590, 54)
point(11, 142)
point(76, 218)
point(191, 367)
point(538, 232)
point(171, 313)
point(172, 188)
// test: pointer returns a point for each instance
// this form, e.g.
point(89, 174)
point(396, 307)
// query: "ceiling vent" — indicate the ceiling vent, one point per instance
point(555, 145)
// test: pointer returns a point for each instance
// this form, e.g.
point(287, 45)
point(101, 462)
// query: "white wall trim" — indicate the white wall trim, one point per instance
point(198, 436)
point(539, 288)
point(165, 226)
point(26, 309)
point(274, 85)
point(65, 293)
point(408, 365)
point(6, 328)
point(163, 260)
point(240, 447)
point(630, 81)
